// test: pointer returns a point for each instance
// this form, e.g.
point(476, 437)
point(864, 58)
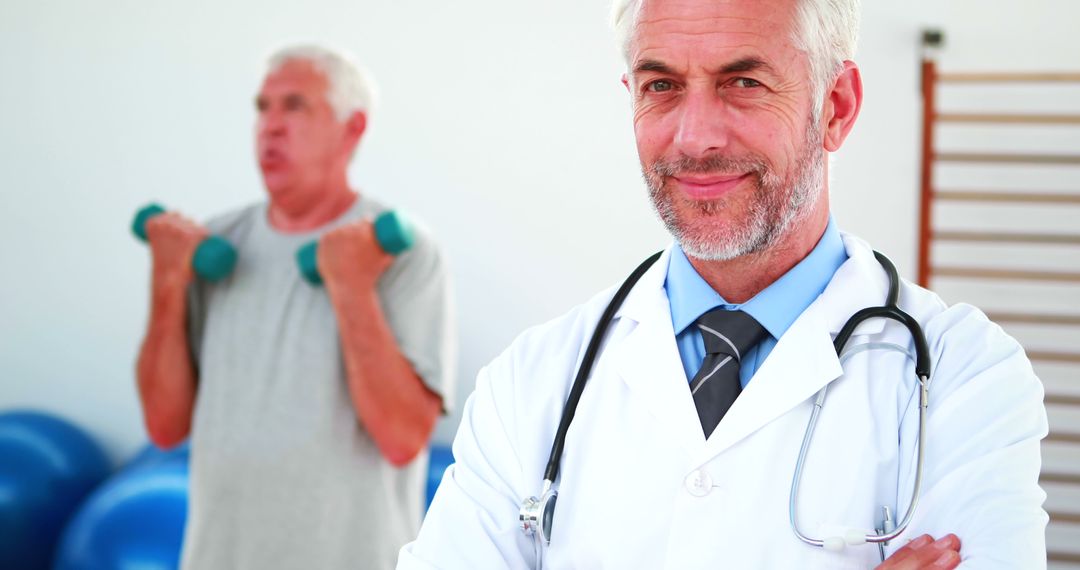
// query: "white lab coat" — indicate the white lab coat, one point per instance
point(640, 487)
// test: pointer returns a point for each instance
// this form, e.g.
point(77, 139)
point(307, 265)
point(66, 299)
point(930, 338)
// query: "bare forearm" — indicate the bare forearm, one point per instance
point(165, 371)
point(391, 400)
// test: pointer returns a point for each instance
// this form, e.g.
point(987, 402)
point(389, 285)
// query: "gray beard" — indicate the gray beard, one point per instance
point(778, 201)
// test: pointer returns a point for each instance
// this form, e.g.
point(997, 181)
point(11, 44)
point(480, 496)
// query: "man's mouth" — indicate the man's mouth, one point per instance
point(271, 159)
point(706, 186)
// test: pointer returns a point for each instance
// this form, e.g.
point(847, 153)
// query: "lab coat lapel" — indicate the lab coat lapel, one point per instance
point(648, 360)
point(859, 283)
point(804, 360)
point(801, 363)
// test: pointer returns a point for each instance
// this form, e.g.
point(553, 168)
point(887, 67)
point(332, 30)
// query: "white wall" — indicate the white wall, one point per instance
point(502, 124)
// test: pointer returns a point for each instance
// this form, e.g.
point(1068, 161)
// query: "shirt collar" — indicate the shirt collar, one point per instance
point(776, 307)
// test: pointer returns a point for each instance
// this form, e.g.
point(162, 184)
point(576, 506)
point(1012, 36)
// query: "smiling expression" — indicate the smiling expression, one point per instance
point(729, 143)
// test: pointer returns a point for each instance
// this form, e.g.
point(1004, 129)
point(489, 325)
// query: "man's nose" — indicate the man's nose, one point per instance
point(271, 123)
point(702, 128)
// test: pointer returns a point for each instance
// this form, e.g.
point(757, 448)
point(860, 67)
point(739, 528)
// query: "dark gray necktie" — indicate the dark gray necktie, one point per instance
point(728, 335)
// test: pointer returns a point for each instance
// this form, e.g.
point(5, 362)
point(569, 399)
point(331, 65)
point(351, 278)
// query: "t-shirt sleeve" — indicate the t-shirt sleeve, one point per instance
point(416, 300)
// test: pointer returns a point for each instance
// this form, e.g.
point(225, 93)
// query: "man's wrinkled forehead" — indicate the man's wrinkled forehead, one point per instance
point(295, 80)
point(729, 21)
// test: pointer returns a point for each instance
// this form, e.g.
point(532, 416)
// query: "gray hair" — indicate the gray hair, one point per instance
point(826, 30)
point(349, 86)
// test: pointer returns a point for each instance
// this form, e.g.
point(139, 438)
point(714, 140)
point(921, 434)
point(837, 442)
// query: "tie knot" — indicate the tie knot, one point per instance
point(729, 332)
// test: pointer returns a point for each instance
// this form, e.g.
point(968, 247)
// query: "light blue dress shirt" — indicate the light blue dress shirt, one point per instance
point(775, 308)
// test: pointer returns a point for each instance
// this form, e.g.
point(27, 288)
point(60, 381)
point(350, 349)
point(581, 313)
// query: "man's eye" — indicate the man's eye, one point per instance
point(295, 103)
point(658, 86)
point(746, 82)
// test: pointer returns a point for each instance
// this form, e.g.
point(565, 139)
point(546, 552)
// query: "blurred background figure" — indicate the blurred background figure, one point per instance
point(309, 391)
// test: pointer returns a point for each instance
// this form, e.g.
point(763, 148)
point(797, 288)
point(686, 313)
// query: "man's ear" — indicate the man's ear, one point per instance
point(626, 82)
point(355, 125)
point(842, 104)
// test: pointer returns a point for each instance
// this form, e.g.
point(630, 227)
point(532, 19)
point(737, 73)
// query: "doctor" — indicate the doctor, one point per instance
point(682, 451)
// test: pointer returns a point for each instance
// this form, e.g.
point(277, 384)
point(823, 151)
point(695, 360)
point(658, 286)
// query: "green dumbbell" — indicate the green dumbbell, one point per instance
point(392, 231)
point(214, 258)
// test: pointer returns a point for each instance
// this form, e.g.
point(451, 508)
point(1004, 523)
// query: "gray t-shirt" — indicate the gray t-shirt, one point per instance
point(283, 474)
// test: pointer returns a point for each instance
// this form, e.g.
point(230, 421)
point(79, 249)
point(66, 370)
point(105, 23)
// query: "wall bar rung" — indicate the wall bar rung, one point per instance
point(1062, 399)
point(1013, 197)
point(1008, 119)
point(1034, 319)
point(1064, 517)
point(1068, 478)
point(1008, 77)
point(1049, 356)
point(1003, 158)
point(1008, 237)
point(1008, 274)
point(1059, 437)
point(1055, 556)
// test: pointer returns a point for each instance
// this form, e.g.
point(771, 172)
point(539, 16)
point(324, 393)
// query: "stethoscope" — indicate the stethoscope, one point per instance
point(537, 513)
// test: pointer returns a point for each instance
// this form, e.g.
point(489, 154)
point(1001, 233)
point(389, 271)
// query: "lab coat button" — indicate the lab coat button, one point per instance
point(698, 483)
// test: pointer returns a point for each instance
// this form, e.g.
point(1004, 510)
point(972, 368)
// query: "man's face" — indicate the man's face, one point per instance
point(298, 139)
point(727, 141)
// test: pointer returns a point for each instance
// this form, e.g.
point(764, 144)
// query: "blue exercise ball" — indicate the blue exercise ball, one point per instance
point(151, 456)
point(441, 457)
point(47, 467)
point(135, 521)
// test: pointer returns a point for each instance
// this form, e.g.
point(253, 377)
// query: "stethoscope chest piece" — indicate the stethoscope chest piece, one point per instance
point(536, 514)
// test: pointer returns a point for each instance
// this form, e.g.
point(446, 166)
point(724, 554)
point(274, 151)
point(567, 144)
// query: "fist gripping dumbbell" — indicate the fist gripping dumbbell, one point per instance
point(214, 258)
point(392, 231)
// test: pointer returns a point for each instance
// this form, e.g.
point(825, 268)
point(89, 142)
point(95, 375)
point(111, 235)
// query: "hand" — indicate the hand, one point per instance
point(925, 553)
point(350, 257)
point(173, 240)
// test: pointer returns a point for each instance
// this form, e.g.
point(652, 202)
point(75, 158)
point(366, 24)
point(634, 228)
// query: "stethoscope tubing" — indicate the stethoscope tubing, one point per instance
point(886, 537)
point(922, 370)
